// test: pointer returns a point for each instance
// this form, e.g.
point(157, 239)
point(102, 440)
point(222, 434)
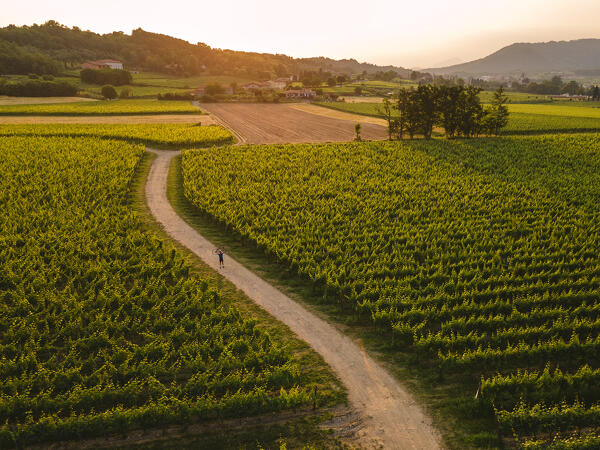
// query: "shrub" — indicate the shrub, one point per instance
point(116, 77)
point(175, 96)
point(37, 88)
point(109, 92)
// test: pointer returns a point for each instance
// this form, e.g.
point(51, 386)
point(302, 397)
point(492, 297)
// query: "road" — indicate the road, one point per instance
point(390, 416)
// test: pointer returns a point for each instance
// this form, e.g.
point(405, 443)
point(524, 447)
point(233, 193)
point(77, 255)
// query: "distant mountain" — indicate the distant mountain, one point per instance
point(49, 47)
point(543, 57)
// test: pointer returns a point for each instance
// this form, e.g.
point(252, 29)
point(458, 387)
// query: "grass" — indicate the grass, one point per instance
point(524, 118)
point(112, 107)
point(136, 90)
point(162, 80)
point(297, 433)
point(460, 427)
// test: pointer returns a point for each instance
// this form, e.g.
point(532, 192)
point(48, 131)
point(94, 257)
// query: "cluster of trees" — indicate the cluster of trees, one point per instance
point(314, 78)
point(457, 109)
point(37, 88)
point(18, 60)
point(175, 96)
point(68, 47)
point(116, 77)
point(554, 86)
point(386, 76)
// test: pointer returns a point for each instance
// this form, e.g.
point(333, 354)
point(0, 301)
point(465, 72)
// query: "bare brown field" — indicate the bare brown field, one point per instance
point(336, 114)
point(140, 119)
point(259, 123)
point(5, 100)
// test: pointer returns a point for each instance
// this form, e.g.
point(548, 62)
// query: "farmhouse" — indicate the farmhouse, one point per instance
point(102, 64)
point(252, 86)
point(300, 93)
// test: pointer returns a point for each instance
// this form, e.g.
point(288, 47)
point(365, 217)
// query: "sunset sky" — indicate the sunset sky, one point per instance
point(410, 34)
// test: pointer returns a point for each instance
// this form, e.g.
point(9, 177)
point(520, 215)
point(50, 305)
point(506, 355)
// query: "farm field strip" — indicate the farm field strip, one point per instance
point(477, 255)
point(390, 417)
point(105, 327)
point(524, 119)
point(334, 114)
point(106, 107)
point(279, 123)
point(6, 100)
point(114, 119)
point(173, 135)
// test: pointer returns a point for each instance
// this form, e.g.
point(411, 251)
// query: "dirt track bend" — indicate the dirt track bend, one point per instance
point(390, 417)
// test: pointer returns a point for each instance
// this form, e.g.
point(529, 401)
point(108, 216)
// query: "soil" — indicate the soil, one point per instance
point(267, 123)
point(342, 115)
point(389, 416)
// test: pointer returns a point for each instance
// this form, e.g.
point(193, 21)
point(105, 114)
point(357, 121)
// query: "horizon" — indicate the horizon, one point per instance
point(455, 35)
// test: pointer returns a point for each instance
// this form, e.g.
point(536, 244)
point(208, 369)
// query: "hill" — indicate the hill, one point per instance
point(49, 47)
point(582, 55)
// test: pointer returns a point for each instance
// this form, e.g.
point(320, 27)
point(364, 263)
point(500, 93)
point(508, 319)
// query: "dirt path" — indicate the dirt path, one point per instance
point(268, 123)
point(391, 418)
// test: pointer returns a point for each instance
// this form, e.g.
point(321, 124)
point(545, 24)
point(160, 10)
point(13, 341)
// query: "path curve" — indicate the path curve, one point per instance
point(391, 418)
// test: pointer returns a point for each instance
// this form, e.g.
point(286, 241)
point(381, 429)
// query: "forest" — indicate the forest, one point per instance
point(50, 47)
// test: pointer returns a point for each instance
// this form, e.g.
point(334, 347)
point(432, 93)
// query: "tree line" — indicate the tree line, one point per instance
point(456, 109)
point(34, 87)
point(67, 48)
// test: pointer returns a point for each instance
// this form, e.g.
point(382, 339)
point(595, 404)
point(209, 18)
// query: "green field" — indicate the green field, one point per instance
point(524, 118)
point(148, 84)
point(161, 136)
point(107, 328)
point(102, 108)
point(516, 97)
point(478, 259)
point(369, 87)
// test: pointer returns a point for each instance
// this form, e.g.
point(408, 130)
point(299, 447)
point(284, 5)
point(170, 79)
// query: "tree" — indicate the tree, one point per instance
point(331, 82)
point(386, 110)
point(341, 79)
point(214, 89)
point(408, 113)
point(109, 92)
point(358, 90)
point(125, 93)
point(497, 114)
point(425, 99)
point(357, 129)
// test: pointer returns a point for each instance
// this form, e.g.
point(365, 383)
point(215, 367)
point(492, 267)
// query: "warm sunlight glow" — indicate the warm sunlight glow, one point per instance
point(404, 33)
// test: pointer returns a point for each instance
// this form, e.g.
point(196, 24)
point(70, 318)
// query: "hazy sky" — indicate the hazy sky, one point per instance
point(410, 34)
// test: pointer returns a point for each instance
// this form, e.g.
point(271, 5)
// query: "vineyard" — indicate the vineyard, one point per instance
point(166, 135)
point(523, 119)
point(107, 107)
point(479, 257)
point(105, 327)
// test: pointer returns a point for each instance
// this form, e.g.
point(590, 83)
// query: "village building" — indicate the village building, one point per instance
point(102, 64)
point(300, 93)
